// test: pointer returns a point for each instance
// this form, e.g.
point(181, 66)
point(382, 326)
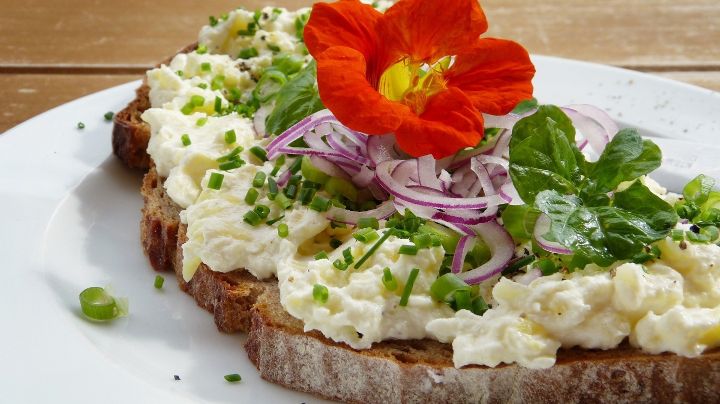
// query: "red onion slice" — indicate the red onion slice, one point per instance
point(328, 167)
point(542, 226)
point(501, 247)
point(590, 129)
point(464, 245)
point(297, 131)
point(259, 119)
point(383, 211)
point(598, 115)
point(381, 148)
point(504, 121)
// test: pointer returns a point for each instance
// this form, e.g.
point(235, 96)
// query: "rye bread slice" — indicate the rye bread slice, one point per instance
point(414, 370)
point(130, 134)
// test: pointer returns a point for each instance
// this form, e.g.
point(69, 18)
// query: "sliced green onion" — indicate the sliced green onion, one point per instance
point(262, 210)
point(80, 125)
point(408, 249)
point(422, 240)
point(321, 255)
point(233, 378)
point(273, 48)
point(202, 85)
point(205, 66)
point(252, 218)
point(518, 263)
point(463, 299)
point(97, 304)
point(388, 280)
point(213, 21)
point(180, 73)
point(306, 195)
point(278, 165)
point(259, 152)
point(202, 121)
point(547, 266)
point(185, 139)
point(109, 115)
point(251, 196)
point(479, 306)
point(374, 247)
point(259, 179)
point(365, 235)
point(249, 31)
point(409, 286)
point(445, 286)
point(272, 188)
point(230, 136)
point(215, 181)
point(347, 254)
point(320, 204)
point(217, 82)
point(320, 293)
point(283, 230)
point(218, 104)
point(283, 201)
point(230, 156)
point(340, 264)
point(159, 280)
point(368, 222)
point(296, 166)
point(335, 243)
point(202, 48)
point(188, 108)
point(273, 221)
point(197, 100)
point(291, 191)
point(248, 53)
point(232, 164)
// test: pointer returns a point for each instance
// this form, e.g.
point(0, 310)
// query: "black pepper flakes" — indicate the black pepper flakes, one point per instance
point(695, 229)
point(176, 377)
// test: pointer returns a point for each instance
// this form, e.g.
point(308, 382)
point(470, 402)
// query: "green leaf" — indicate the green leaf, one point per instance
point(698, 190)
point(543, 154)
point(604, 234)
point(625, 158)
point(525, 106)
point(297, 99)
point(519, 221)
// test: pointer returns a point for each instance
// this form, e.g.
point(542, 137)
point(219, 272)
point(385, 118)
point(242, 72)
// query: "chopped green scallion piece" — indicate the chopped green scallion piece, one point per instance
point(202, 85)
point(109, 115)
point(205, 66)
point(272, 188)
point(388, 280)
point(320, 204)
point(374, 247)
point(409, 286)
point(365, 235)
point(185, 139)
point(233, 378)
point(321, 255)
point(547, 266)
point(188, 108)
point(408, 249)
point(320, 293)
point(232, 164)
point(259, 152)
point(97, 304)
point(159, 281)
point(262, 211)
point(368, 222)
point(259, 179)
point(218, 82)
point(213, 21)
point(201, 49)
point(230, 136)
point(215, 181)
point(273, 221)
point(518, 263)
point(422, 240)
point(347, 254)
point(80, 125)
point(233, 155)
point(479, 307)
point(335, 243)
point(218, 104)
point(283, 201)
point(252, 218)
point(283, 230)
point(202, 121)
point(463, 299)
point(278, 165)
point(291, 191)
point(444, 287)
point(296, 165)
point(340, 264)
point(251, 196)
point(248, 53)
point(306, 195)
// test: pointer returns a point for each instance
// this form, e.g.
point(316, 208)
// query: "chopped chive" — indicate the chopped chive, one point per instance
point(248, 53)
point(187, 109)
point(340, 264)
point(251, 196)
point(306, 195)
point(230, 156)
point(205, 66)
point(320, 203)
point(250, 31)
point(278, 165)
point(518, 263)
point(230, 136)
point(409, 286)
point(201, 49)
point(159, 280)
point(335, 243)
point(202, 85)
point(347, 254)
point(296, 165)
point(218, 104)
point(337, 225)
point(213, 20)
point(291, 191)
point(232, 164)
point(283, 201)
point(109, 115)
point(463, 299)
point(272, 188)
point(283, 230)
point(295, 179)
point(547, 266)
point(97, 304)
point(365, 235)
point(321, 255)
point(185, 139)
point(215, 181)
point(197, 100)
point(368, 222)
point(259, 152)
point(478, 306)
point(320, 293)
point(180, 73)
point(422, 240)
point(218, 82)
point(80, 125)
point(262, 210)
point(202, 121)
point(252, 218)
point(273, 221)
point(388, 280)
point(408, 249)
point(374, 247)
point(233, 378)
point(273, 48)
point(259, 179)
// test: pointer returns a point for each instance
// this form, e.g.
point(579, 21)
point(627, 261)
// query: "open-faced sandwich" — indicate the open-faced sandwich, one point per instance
point(372, 194)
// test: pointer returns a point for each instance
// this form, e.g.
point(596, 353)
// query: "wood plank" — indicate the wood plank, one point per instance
point(709, 80)
point(27, 95)
point(683, 34)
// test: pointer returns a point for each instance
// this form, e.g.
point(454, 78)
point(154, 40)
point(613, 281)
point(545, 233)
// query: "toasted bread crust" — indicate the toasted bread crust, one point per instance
point(130, 134)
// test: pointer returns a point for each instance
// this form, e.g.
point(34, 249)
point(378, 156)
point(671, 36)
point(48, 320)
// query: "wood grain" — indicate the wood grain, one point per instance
point(684, 34)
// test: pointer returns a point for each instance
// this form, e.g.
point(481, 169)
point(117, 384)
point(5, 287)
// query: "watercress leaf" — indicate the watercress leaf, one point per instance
point(625, 158)
point(297, 99)
point(519, 221)
point(535, 124)
point(638, 200)
point(698, 190)
point(544, 159)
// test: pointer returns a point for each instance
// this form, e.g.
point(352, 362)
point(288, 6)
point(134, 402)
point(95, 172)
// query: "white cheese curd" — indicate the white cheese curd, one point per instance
point(699, 265)
point(218, 236)
point(656, 288)
point(360, 310)
point(494, 338)
point(684, 331)
point(184, 166)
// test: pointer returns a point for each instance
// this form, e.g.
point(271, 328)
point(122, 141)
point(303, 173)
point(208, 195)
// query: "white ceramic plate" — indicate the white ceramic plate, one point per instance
point(69, 214)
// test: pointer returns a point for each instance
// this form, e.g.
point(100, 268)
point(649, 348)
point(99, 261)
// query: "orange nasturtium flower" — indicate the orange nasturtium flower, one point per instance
point(420, 71)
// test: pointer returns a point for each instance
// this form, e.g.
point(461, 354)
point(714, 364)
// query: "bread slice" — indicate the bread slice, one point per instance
point(130, 134)
point(392, 371)
point(414, 370)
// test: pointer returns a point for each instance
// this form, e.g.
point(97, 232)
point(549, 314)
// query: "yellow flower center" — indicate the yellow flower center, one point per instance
point(413, 84)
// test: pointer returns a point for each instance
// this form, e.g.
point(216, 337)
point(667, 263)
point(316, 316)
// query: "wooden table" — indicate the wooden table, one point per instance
point(55, 51)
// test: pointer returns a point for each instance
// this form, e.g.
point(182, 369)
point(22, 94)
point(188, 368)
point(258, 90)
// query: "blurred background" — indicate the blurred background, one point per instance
point(54, 51)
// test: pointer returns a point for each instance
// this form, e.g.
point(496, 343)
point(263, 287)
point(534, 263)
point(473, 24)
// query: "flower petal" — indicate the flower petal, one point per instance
point(343, 23)
point(345, 90)
point(495, 73)
point(448, 124)
point(427, 30)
